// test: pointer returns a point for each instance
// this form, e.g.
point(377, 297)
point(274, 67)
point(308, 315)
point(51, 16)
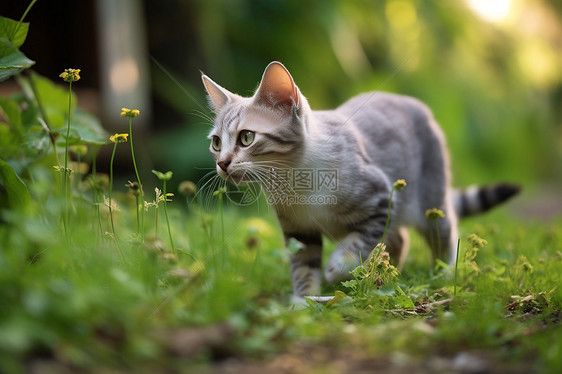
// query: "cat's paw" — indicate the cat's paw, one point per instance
point(338, 267)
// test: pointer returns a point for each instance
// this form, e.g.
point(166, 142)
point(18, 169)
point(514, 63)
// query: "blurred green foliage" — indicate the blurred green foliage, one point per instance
point(495, 88)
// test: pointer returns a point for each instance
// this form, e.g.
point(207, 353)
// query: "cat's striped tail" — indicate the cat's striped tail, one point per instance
point(474, 200)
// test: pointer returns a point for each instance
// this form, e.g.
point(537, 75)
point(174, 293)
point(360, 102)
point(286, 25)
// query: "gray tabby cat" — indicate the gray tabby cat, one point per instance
point(364, 146)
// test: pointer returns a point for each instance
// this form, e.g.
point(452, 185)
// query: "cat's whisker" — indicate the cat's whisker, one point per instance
point(259, 177)
point(273, 166)
point(201, 187)
point(279, 194)
point(203, 115)
point(283, 183)
point(219, 183)
point(201, 190)
point(274, 163)
point(271, 177)
point(264, 180)
point(205, 191)
point(210, 169)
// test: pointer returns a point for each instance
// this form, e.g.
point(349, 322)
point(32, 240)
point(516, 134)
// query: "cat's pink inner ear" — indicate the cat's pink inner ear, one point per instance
point(218, 96)
point(277, 87)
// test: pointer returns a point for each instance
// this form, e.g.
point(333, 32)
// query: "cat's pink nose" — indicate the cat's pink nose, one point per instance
point(223, 164)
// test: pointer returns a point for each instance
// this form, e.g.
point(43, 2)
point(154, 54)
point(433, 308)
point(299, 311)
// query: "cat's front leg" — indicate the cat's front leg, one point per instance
point(353, 249)
point(306, 264)
point(358, 245)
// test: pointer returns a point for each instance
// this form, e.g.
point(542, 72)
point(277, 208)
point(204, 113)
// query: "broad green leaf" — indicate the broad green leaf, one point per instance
point(37, 142)
point(7, 144)
point(338, 296)
point(54, 98)
point(15, 195)
point(350, 284)
point(84, 129)
point(11, 112)
point(12, 61)
point(13, 31)
point(386, 290)
point(402, 300)
point(89, 128)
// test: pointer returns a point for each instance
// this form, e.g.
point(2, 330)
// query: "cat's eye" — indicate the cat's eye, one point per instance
point(216, 143)
point(246, 137)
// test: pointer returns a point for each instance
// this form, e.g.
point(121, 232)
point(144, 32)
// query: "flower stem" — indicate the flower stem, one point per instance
point(388, 215)
point(140, 210)
point(66, 187)
point(21, 19)
point(111, 188)
point(95, 191)
point(138, 202)
point(156, 222)
point(167, 219)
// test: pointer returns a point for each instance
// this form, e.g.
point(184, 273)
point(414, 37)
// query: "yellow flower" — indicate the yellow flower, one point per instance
point(131, 113)
point(399, 184)
point(70, 75)
point(119, 138)
point(434, 213)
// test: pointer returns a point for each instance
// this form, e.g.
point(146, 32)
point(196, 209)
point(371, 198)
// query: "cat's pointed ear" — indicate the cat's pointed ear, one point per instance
point(218, 96)
point(277, 88)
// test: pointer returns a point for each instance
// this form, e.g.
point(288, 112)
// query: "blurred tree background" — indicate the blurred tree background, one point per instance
point(490, 70)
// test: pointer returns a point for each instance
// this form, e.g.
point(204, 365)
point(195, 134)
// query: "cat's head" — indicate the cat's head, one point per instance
point(254, 134)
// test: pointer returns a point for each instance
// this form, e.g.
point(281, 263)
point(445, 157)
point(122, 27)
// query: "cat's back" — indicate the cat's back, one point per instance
point(382, 104)
point(397, 132)
point(388, 115)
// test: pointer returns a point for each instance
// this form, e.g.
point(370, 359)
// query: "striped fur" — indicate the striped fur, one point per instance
point(367, 143)
point(473, 200)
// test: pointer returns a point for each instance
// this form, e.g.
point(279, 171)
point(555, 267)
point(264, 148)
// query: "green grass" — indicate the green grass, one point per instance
point(82, 305)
